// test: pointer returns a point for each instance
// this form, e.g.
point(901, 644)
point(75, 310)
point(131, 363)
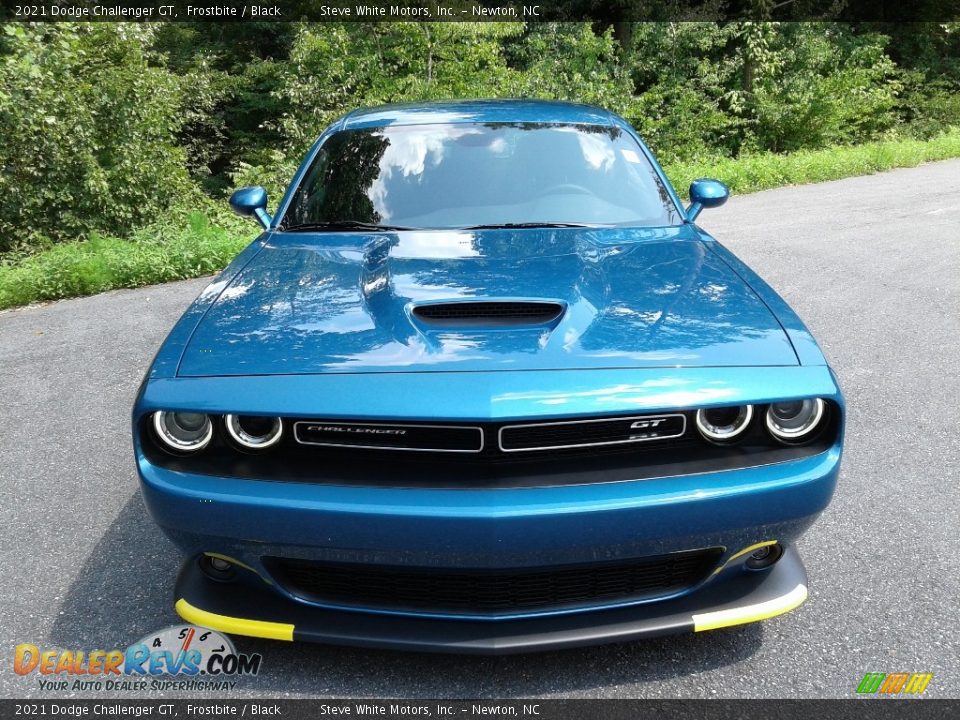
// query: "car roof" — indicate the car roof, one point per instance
point(479, 111)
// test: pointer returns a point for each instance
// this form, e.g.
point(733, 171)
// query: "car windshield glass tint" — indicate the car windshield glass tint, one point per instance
point(466, 175)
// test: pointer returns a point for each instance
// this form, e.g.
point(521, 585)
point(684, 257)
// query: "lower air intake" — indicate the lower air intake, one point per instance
point(492, 592)
point(495, 314)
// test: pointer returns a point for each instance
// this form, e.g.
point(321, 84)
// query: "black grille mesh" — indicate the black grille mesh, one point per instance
point(651, 428)
point(489, 313)
point(491, 592)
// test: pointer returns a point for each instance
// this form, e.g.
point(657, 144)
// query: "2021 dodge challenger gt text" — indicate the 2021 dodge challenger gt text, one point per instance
point(483, 385)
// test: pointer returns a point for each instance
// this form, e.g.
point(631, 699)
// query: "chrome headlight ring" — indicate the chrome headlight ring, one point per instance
point(795, 421)
point(182, 432)
point(249, 440)
point(723, 430)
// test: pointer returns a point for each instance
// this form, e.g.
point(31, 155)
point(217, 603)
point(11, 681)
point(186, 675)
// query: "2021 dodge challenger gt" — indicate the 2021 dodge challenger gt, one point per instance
point(483, 385)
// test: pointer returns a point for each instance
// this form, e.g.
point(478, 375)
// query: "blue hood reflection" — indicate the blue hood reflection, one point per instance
point(323, 303)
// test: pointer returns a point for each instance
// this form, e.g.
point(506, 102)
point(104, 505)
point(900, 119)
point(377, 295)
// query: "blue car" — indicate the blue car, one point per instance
point(482, 385)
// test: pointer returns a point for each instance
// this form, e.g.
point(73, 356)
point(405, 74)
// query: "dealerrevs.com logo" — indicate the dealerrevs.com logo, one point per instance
point(203, 659)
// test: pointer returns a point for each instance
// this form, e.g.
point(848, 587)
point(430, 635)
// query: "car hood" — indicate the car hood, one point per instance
point(343, 303)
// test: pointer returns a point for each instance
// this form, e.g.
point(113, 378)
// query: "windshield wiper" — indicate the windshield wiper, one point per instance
point(510, 226)
point(334, 225)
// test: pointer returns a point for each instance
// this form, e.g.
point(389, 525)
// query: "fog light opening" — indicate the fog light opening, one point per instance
point(217, 568)
point(765, 557)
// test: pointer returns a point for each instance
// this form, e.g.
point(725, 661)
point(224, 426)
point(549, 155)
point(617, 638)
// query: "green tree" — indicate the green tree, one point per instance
point(815, 84)
point(231, 109)
point(337, 67)
point(89, 132)
point(565, 61)
point(683, 75)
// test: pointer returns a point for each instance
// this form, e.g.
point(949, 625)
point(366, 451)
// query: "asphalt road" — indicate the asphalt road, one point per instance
point(873, 266)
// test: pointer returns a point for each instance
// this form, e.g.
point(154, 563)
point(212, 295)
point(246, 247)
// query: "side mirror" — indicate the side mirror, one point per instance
point(251, 201)
point(706, 193)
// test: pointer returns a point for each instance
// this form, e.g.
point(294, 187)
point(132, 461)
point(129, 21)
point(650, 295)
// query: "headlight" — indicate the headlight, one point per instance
point(183, 431)
point(254, 432)
point(722, 425)
point(795, 421)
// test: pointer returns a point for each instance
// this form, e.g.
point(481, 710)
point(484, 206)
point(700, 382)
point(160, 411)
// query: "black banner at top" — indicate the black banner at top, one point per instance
point(477, 10)
point(530, 709)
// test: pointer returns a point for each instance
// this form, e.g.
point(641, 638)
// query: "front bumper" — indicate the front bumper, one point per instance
point(249, 607)
point(487, 528)
point(542, 526)
point(497, 528)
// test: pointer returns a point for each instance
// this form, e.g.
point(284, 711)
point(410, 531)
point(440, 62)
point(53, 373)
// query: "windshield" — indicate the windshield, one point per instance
point(472, 175)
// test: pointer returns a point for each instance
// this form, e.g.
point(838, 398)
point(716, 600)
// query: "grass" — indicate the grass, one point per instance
point(751, 173)
point(187, 246)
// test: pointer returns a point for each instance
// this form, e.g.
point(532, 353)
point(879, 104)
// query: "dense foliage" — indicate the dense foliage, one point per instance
point(110, 128)
point(89, 128)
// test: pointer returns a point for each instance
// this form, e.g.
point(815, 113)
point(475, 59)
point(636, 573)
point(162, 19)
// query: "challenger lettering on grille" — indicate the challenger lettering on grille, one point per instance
point(389, 436)
point(503, 438)
point(355, 429)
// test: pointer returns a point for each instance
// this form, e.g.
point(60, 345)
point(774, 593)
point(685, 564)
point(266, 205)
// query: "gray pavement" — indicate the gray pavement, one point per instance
point(872, 264)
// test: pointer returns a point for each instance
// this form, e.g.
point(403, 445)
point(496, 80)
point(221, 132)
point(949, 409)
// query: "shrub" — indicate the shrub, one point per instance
point(176, 248)
point(89, 132)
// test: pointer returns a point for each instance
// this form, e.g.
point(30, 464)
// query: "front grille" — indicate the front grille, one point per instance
point(488, 313)
point(591, 433)
point(390, 436)
point(491, 592)
point(488, 455)
point(490, 439)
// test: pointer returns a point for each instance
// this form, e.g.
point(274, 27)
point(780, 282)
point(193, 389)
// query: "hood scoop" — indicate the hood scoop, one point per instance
point(489, 313)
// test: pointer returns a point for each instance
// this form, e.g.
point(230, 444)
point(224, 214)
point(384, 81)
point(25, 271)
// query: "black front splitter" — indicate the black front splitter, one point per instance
point(249, 606)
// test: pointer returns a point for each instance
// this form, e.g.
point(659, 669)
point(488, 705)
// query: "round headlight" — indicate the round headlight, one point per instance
point(254, 432)
point(183, 431)
point(722, 425)
point(795, 421)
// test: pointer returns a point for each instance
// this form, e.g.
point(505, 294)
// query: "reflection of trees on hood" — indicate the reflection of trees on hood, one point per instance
point(680, 296)
point(542, 263)
point(632, 299)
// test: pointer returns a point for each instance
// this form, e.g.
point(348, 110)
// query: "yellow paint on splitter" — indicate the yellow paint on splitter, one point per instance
point(745, 551)
point(703, 621)
point(234, 625)
point(750, 613)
